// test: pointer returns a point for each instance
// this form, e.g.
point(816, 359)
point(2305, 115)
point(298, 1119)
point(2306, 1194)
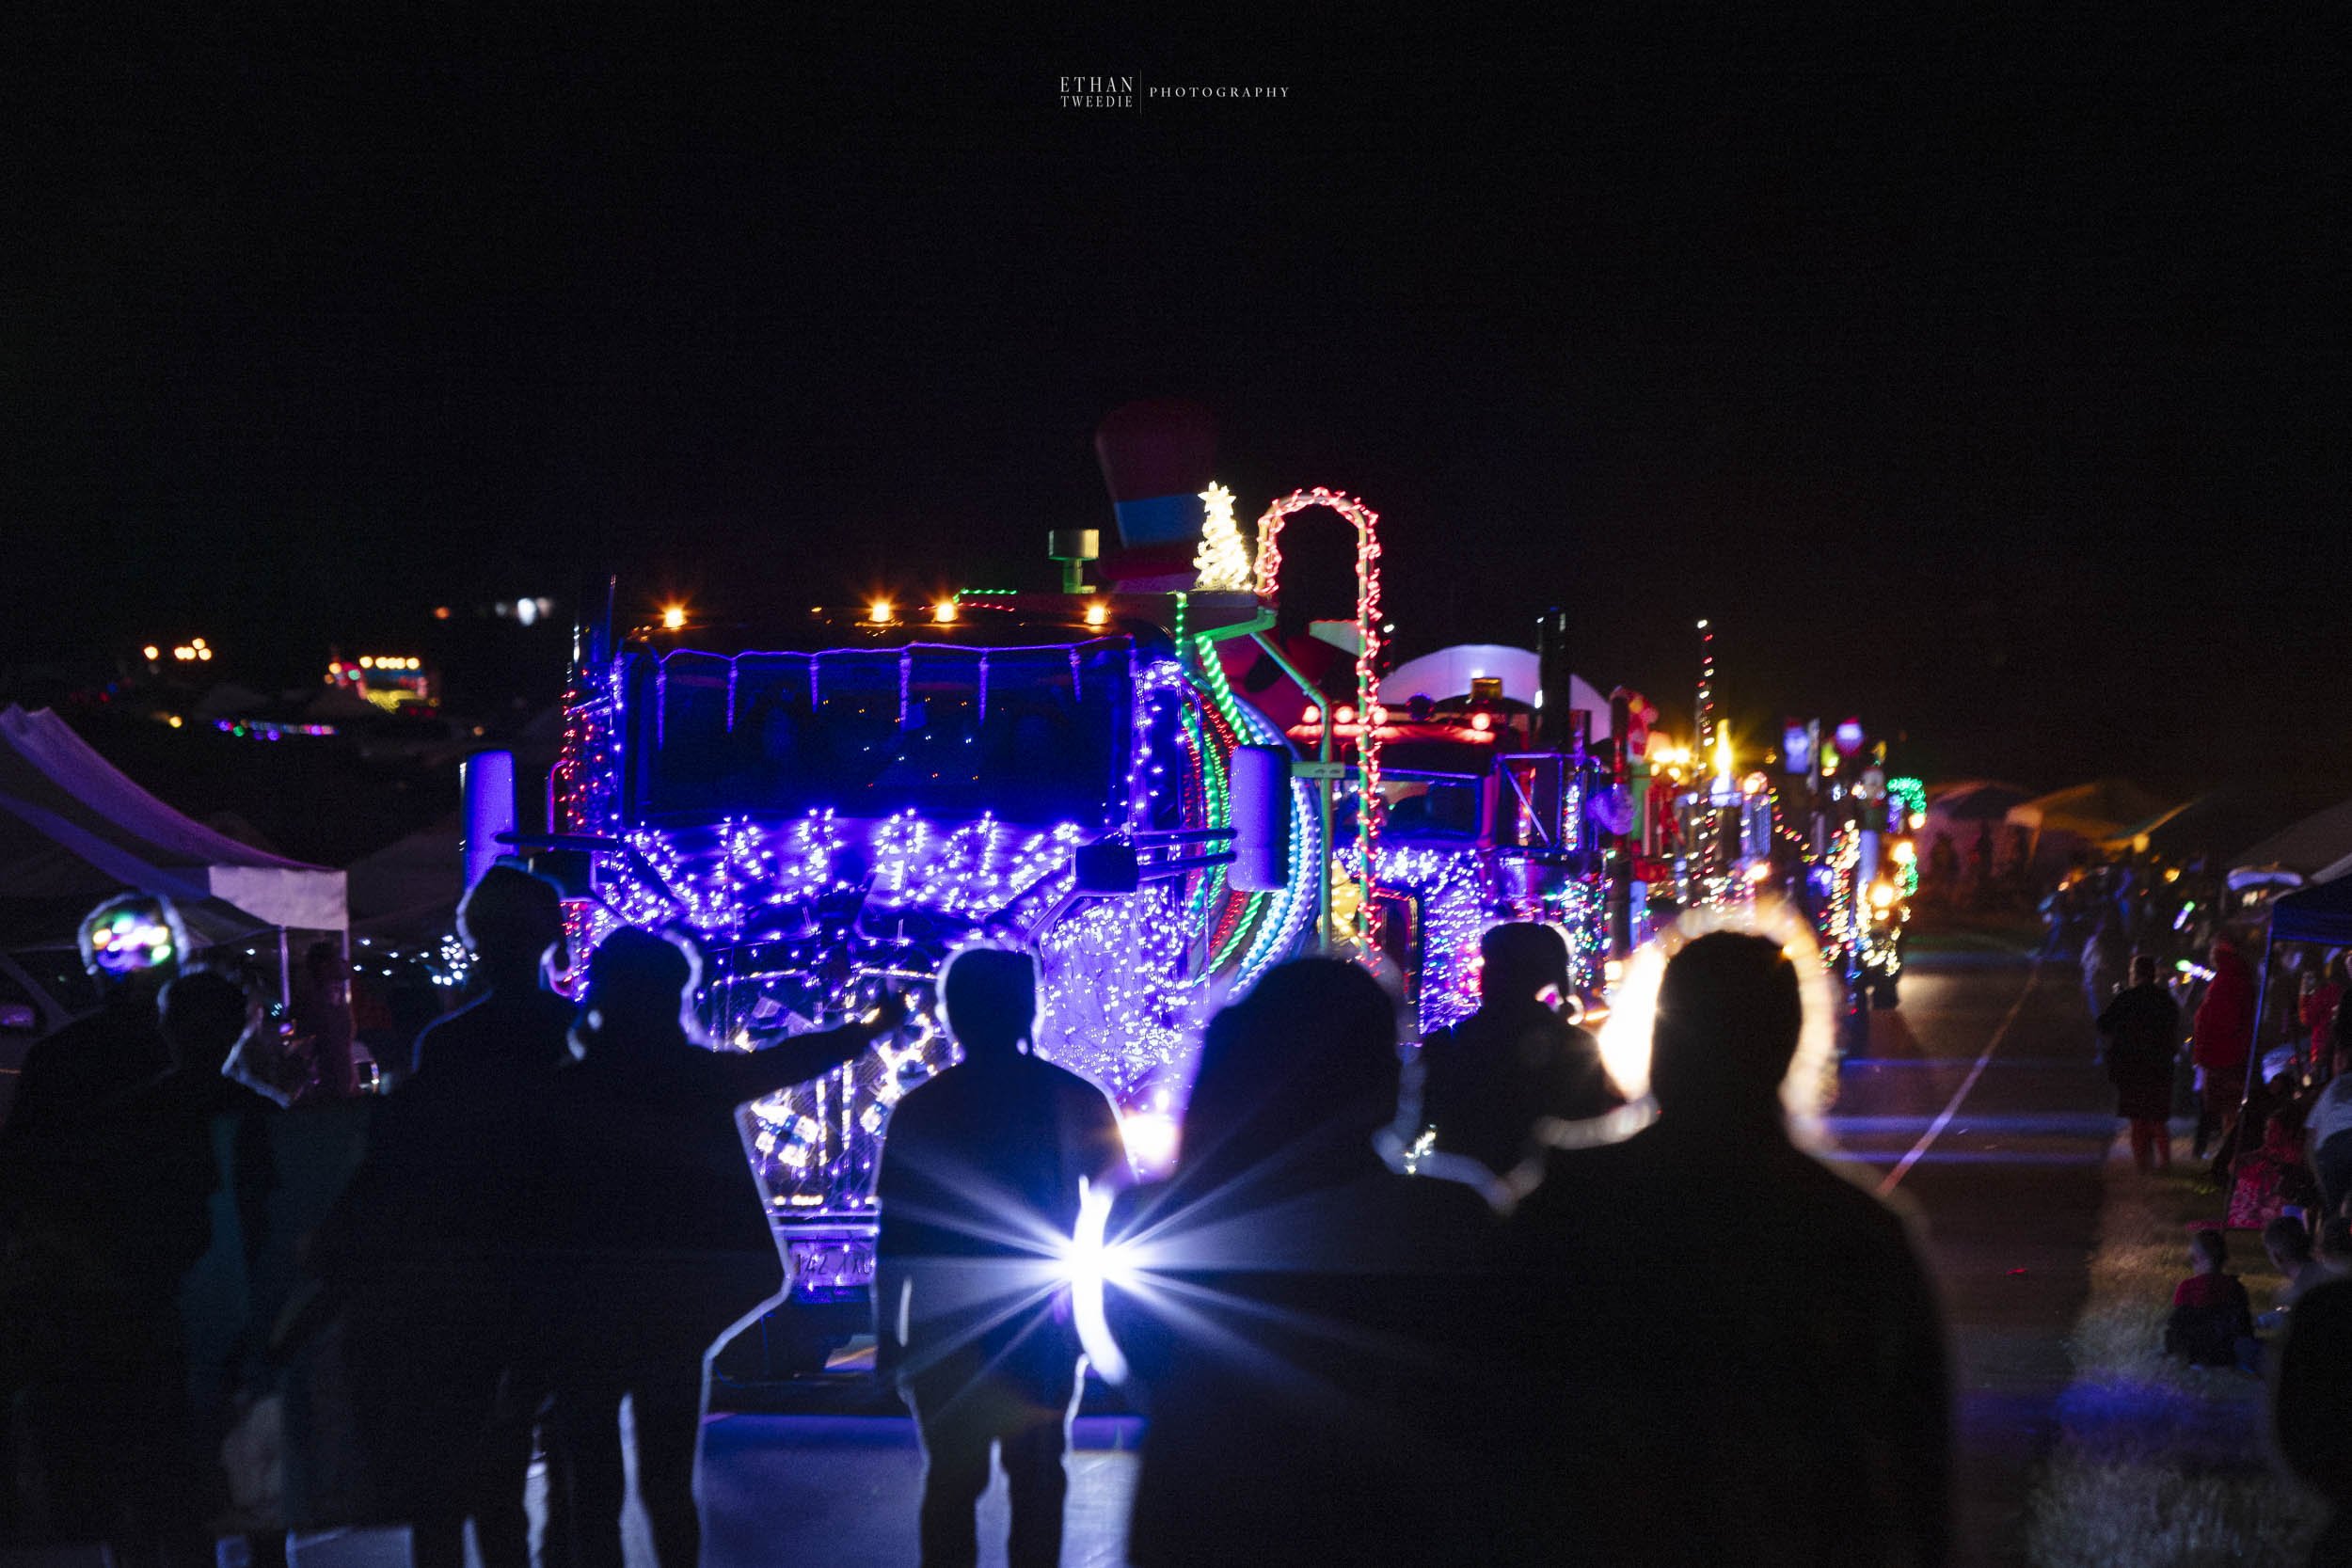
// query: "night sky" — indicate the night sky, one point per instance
point(1987, 382)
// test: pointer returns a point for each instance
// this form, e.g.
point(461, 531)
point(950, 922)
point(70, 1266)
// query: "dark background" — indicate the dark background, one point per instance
point(1984, 379)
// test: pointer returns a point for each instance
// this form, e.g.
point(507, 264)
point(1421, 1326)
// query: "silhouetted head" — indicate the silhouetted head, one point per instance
point(639, 986)
point(1729, 1013)
point(2335, 1241)
point(1520, 958)
point(510, 918)
point(2143, 969)
point(2288, 1243)
point(2208, 1250)
point(1309, 1058)
point(990, 994)
point(205, 1014)
point(133, 942)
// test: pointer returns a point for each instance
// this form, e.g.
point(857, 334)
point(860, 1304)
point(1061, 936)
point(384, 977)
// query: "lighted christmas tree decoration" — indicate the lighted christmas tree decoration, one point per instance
point(1223, 559)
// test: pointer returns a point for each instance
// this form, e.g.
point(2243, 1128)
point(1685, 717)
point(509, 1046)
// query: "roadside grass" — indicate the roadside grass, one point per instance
point(2157, 1463)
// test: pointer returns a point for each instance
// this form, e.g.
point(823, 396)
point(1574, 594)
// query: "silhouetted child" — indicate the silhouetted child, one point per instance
point(2213, 1321)
point(2335, 1245)
point(2290, 1248)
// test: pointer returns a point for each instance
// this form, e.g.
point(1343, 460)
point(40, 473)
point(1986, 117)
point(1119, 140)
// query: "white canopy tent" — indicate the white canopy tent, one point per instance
point(73, 829)
point(2316, 850)
point(1448, 673)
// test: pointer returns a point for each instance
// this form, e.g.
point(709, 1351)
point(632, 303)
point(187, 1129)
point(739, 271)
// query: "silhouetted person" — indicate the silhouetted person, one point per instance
point(92, 1358)
point(1944, 872)
point(2141, 1027)
point(982, 1168)
point(2313, 1390)
point(1488, 1080)
point(478, 1073)
point(2288, 1243)
point(2211, 1323)
point(322, 1016)
point(656, 1239)
point(2105, 956)
point(2222, 1039)
point(131, 945)
point(1301, 1320)
point(1783, 1400)
point(207, 1167)
point(412, 1003)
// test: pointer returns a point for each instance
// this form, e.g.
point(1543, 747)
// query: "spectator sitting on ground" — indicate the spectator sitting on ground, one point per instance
point(2213, 1321)
point(2273, 1179)
point(2290, 1248)
point(2335, 1243)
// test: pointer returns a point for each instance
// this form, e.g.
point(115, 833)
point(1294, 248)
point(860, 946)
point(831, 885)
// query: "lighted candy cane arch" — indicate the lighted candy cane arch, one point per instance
point(1367, 525)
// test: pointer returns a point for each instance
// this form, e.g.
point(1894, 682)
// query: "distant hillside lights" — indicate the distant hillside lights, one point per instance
point(194, 651)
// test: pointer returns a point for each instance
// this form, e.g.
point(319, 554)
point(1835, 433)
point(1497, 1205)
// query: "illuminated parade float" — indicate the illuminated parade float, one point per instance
point(832, 804)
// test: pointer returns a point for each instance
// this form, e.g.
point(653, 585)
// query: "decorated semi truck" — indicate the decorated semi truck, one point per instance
point(830, 807)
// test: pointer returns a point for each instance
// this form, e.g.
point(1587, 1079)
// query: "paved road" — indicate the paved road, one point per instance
point(2009, 1188)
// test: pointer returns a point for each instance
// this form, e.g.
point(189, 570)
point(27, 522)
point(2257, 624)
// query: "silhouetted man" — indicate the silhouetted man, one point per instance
point(659, 1242)
point(132, 944)
point(204, 1162)
point(91, 1361)
point(434, 1218)
point(981, 1183)
point(1783, 1400)
point(501, 1053)
point(1488, 1080)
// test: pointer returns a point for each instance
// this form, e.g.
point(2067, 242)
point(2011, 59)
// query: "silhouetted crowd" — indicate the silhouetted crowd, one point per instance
point(1459, 1305)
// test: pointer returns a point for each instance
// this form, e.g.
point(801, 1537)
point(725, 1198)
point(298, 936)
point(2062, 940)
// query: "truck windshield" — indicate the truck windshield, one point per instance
point(1032, 735)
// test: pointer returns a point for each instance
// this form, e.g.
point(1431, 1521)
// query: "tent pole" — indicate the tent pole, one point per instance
point(285, 974)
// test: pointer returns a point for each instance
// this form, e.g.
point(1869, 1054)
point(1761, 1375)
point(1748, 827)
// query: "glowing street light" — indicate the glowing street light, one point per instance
point(674, 618)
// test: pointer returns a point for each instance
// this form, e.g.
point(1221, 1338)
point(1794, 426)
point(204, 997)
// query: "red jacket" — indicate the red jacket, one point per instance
point(2224, 1035)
